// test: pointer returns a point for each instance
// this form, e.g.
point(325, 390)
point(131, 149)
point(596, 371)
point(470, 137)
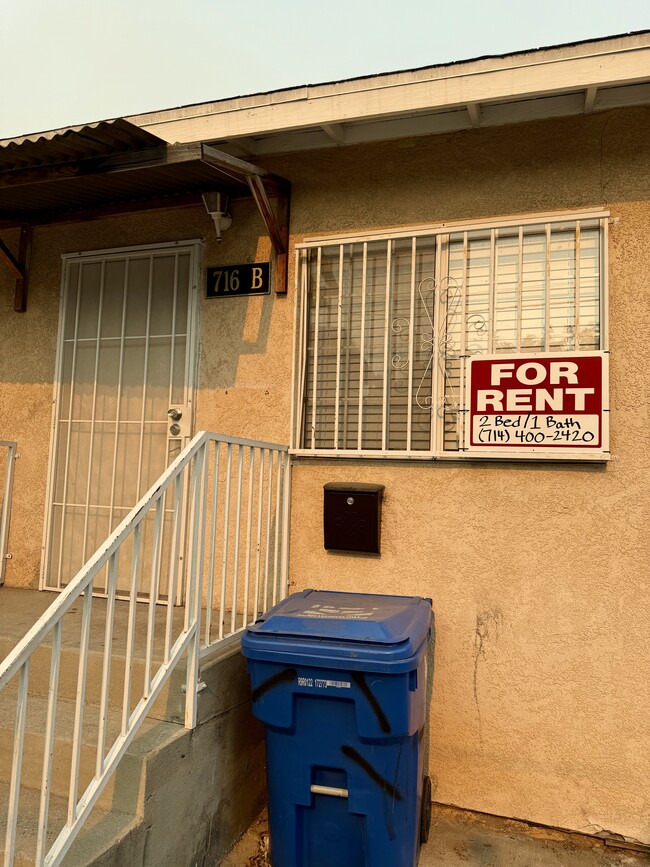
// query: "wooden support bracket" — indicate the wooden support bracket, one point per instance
point(19, 266)
point(238, 169)
point(8, 258)
point(261, 183)
point(277, 225)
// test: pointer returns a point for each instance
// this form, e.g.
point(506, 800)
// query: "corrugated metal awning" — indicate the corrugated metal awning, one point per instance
point(110, 166)
point(115, 167)
point(76, 143)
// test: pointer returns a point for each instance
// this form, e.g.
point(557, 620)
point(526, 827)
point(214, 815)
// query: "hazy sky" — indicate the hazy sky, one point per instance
point(64, 62)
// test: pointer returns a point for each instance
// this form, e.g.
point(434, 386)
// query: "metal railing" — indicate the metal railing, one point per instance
point(216, 527)
point(5, 503)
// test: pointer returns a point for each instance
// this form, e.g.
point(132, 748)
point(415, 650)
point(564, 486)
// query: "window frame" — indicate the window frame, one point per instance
point(438, 230)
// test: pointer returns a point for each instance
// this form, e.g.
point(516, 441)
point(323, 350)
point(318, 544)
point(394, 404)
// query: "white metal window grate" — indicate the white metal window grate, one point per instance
point(385, 324)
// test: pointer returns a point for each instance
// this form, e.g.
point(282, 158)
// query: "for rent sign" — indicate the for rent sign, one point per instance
point(540, 402)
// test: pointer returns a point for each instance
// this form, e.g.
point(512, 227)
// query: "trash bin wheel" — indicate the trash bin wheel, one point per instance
point(425, 813)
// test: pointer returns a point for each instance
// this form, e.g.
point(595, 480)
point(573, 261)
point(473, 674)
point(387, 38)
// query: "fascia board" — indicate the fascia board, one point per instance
point(304, 108)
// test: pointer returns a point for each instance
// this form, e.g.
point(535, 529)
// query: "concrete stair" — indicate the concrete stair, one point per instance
point(103, 831)
point(118, 817)
point(178, 797)
point(32, 767)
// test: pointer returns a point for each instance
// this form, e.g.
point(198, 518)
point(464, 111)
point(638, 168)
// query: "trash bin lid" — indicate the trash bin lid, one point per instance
point(356, 627)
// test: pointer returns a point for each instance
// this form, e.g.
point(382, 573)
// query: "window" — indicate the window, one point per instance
point(385, 324)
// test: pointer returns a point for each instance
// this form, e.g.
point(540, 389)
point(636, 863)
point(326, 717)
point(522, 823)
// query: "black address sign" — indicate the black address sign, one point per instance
point(233, 280)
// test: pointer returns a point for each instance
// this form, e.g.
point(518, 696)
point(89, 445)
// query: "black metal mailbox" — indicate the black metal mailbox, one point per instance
point(352, 516)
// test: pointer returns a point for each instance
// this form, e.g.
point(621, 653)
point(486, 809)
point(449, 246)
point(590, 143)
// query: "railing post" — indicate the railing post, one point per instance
point(198, 498)
point(48, 750)
point(16, 765)
point(5, 510)
point(286, 527)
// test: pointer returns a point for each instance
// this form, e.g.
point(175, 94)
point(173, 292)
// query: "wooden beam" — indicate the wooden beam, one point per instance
point(24, 254)
point(10, 261)
point(19, 266)
point(266, 212)
point(239, 169)
point(590, 99)
point(474, 112)
point(335, 131)
point(276, 226)
point(150, 158)
point(282, 259)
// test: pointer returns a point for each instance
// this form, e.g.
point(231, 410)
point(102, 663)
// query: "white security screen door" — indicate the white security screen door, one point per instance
point(126, 358)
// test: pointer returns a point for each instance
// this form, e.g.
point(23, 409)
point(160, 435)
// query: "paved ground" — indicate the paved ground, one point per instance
point(462, 839)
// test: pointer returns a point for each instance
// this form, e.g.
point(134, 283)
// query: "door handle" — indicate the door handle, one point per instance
point(179, 421)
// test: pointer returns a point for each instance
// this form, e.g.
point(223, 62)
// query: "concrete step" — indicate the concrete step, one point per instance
point(102, 832)
point(177, 796)
point(115, 834)
point(19, 609)
point(225, 687)
point(123, 797)
point(168, 705)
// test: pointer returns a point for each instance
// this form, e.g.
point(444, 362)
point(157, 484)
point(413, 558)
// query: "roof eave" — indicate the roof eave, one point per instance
point(470, 87)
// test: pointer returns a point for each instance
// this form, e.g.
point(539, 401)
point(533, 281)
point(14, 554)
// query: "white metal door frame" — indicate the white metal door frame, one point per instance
point(195, 247)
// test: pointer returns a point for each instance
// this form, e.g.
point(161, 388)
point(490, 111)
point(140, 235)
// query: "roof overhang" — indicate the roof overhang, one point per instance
point(168, 158)
point(115, 167)
point(565, 80)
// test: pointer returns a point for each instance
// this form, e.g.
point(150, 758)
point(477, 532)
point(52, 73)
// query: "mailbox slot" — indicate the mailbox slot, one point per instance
point(352, 517)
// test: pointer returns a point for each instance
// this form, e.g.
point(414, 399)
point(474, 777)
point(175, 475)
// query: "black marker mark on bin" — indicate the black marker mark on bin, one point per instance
point(365, 765)
point(285, 676)
point(382, 719)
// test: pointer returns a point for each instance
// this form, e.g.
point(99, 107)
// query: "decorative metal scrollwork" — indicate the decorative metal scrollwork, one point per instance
point(440, 340)
point(397, 327)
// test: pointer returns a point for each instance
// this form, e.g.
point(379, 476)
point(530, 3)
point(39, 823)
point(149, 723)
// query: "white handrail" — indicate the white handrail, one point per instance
point(5, 506)
point(199, 483)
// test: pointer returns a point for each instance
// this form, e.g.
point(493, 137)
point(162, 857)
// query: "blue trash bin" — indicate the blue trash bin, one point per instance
point(339, 680)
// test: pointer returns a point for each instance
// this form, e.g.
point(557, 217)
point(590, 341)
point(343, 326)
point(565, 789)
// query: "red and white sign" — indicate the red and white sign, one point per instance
point(538, 402)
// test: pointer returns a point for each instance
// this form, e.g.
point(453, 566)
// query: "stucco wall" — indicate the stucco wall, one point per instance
point(241, 344)
point(538, 573)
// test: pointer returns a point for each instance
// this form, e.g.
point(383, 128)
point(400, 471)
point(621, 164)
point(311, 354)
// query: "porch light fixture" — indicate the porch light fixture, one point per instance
point(216, 204)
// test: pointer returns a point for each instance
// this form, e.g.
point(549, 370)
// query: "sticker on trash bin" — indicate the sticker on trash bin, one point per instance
point(340, 612)
point(320, 683)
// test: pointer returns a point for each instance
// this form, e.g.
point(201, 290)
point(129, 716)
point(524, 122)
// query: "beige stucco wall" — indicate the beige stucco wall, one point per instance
point(538, 573)
point(241, 344)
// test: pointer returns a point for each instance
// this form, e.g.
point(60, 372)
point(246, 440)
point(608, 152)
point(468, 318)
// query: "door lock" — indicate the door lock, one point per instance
point(179, 421)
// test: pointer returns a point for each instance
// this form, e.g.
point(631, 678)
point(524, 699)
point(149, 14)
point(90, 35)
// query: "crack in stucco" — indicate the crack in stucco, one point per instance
point(597, 830)
point(488, 627)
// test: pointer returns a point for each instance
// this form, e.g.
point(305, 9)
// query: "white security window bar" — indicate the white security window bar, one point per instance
point(384, 324)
